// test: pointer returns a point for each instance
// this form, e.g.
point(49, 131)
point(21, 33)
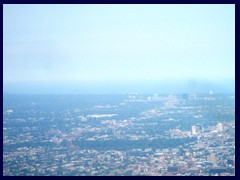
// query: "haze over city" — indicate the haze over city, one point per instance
point(71, 49)
point(118, 90)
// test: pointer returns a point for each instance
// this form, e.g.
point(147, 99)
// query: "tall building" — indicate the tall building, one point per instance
point(194, 130)
point(185, 96)
point(219, 127)
point(212, 158)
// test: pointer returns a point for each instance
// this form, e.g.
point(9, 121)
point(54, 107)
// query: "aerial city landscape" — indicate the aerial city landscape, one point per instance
point(119, 90)
point(116, 135)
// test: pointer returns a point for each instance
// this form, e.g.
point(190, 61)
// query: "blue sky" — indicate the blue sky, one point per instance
point(117, 43)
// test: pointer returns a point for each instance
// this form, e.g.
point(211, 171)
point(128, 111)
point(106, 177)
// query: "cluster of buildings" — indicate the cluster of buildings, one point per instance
point(70, 143)
point(198, 129)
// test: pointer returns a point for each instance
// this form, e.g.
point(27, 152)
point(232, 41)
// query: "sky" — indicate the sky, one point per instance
point(50, 47)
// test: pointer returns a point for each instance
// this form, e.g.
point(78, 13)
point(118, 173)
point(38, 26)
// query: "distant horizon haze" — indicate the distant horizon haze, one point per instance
point(110, 87)
point(64, 49)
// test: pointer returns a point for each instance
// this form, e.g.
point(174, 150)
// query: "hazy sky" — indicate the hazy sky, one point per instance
point(82, 43)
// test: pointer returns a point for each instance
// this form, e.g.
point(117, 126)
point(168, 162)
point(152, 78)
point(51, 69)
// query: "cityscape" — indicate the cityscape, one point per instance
point(119, 135)
point(119, 89)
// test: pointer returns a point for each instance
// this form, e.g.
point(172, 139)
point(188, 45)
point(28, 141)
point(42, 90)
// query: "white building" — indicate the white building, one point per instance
point(212, 158)
point(194, 130)
point(219, 127)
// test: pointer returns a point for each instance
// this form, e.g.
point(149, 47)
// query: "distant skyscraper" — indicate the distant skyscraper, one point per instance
point(211, 158)
point(219, 127)
point(194, 130)
point(185, 96)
